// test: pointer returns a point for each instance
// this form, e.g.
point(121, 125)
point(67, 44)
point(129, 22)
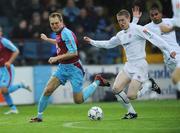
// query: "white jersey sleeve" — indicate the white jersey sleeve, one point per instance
point(176, 12)
point(135, 20)
point(176, 7)
point(153, 38)
point(113, 42)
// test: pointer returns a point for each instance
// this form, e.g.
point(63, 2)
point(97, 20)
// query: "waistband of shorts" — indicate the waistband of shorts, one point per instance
point(73, 63)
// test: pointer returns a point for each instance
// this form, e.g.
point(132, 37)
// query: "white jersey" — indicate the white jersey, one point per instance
point(133, 41)
point(176, 12)
point(169, 37)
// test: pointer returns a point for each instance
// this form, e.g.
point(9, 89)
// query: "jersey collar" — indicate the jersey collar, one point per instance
point(60, 30)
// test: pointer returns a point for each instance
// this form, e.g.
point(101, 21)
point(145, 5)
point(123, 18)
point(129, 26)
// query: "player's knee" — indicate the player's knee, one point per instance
point(78, 98)
point(4, 90)
point(48, 92)
point(78, 101)
point(132, 96)
point(174, 79)
point(115, 91)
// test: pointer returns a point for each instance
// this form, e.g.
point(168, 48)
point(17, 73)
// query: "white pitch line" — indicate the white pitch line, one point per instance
point(75, 125)
point(72, 125)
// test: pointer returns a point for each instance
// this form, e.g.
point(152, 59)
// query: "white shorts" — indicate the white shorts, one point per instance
point(137, 70)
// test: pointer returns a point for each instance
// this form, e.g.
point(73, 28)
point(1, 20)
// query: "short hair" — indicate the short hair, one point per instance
point(56, 14)
point(155, 7)
point(138, 3)
point(123, 12)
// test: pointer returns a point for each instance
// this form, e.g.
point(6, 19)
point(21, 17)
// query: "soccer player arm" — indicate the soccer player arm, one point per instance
point(113, 42)
point(62, 57)
point(136, 14)
point(71, 46)
point(50, 40)
point(155, 40)
point(8, 44)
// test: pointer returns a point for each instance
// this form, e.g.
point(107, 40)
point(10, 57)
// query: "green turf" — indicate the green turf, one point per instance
point(154, 117)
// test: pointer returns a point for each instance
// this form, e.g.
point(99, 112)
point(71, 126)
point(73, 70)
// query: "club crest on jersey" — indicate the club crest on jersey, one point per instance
point(147, 33)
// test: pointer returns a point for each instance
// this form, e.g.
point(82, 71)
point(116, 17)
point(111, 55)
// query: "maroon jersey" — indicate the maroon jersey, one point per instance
point(5, 53)
point(66, 42)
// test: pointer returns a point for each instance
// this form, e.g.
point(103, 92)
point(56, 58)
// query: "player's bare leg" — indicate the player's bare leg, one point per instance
point(52, 85)
point(121, 81)
point(133, 89)
point(9, 101)
point(88, 91)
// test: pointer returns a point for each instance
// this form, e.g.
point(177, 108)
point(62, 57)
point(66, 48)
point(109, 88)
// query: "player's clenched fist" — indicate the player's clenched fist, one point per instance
point(173, 54)
point(52, 60)
point(43, 37)
point(87, 39)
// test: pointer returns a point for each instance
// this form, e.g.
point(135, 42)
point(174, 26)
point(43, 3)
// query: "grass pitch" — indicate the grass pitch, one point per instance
point(154, 117)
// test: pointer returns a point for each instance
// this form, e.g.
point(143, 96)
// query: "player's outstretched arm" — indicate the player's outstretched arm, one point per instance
point(50, 40)
point(87, 39)
point(113, 42)
point(62, 57)
point(136, 14)
point(13, 57)
point(155, 40)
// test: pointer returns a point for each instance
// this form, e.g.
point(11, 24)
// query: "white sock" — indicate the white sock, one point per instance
point(122, 97)
point(146, 86)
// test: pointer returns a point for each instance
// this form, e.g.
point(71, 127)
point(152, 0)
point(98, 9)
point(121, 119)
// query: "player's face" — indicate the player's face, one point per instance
point(156, 16)
point(123, 22)
point(56, 24)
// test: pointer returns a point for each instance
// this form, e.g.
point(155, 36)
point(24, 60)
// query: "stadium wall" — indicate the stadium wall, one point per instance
point(37, 77)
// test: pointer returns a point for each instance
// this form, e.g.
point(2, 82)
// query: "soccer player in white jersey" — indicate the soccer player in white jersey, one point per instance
point(170, 38)
point(176, 17)
point(132, 37)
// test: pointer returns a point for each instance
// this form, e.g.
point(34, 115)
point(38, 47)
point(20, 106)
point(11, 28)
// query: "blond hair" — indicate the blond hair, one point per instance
point(123, 12)
point(56, 14)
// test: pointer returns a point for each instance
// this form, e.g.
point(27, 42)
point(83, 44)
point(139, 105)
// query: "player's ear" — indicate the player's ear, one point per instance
point(129, 18)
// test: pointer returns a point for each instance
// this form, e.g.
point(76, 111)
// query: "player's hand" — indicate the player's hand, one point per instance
point(87, 39)
point(52, 60)
point(43, 37)
point(173, 54)
point(165, 28)
point(136, 12)
point(7, 64)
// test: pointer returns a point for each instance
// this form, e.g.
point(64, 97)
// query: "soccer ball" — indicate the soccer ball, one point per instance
point(95, 113)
